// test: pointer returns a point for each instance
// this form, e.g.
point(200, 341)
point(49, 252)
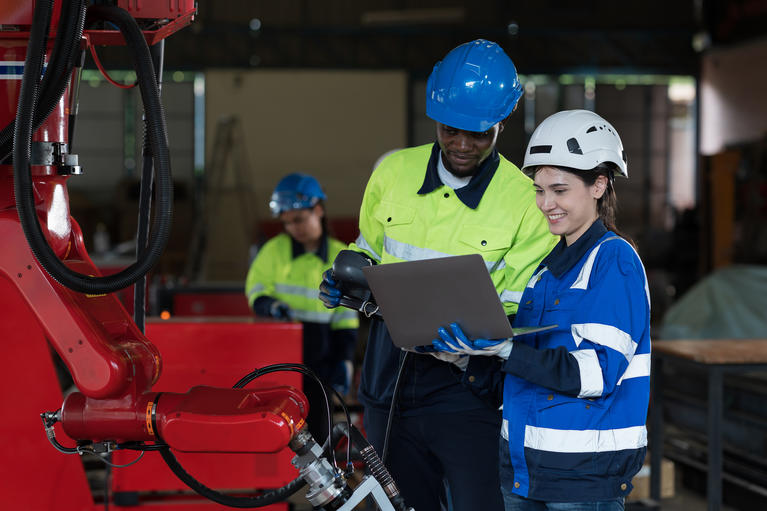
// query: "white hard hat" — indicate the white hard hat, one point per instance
point(578, 139)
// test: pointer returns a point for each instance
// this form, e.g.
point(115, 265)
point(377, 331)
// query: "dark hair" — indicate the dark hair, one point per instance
point(607, 204)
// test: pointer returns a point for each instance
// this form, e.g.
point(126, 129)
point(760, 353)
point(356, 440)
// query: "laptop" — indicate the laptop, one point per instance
point(418, 297)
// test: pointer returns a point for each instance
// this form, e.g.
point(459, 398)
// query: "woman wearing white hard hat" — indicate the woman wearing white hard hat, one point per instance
point(575, 397)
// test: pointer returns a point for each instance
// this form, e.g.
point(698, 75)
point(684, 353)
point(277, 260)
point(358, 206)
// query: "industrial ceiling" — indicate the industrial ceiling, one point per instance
point(544, 36)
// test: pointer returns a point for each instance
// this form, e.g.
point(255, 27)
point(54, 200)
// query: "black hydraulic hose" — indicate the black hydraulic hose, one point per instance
point(63, 58)
point(145, 197)
point(33, 65)
point(270, 497)
point(158, 141)
point(393, 407)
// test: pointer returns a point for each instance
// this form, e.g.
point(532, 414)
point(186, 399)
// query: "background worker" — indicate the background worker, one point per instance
point(453, 197)
point(282, 283)
point(576, 397)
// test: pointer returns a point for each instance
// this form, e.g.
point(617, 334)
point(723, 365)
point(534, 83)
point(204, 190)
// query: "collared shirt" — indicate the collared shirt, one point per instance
point(321, 252)
point(448, 178)
point(470, 194)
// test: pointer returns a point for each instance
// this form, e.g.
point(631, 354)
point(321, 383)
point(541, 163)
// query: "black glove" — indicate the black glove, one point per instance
point(280, 310)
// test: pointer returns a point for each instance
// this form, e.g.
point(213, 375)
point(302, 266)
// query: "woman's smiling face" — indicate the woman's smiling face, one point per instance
point(570, 206)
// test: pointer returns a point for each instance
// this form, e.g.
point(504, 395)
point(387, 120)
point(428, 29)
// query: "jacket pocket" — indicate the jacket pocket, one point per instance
point(485, 239)
point(560, 446)
point(554, 407)
point(391, 214)
point(565, 300)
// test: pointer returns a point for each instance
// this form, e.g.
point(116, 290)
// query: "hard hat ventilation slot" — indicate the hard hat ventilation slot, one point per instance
point(538, 149)
point(591, 129)
point(573, 146)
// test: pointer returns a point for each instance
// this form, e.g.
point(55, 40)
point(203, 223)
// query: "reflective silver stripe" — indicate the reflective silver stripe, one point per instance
point(408, 252)
point(511, 296)
point(605, 335)
point(290, 289)
point(496, 266)
point(535, 278)
point(342, 314)
point(362, 243)
point(582, 282)
point(505, 429)
point(592, 383)
point(312, 316)
point(589, 440)
point(254, 289)
point(638, 367)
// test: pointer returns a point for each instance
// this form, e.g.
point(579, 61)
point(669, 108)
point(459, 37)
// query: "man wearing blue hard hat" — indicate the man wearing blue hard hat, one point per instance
point(453, 197)
point(282, 284)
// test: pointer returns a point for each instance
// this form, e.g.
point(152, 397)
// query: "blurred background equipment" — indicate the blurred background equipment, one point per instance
point(225, 206)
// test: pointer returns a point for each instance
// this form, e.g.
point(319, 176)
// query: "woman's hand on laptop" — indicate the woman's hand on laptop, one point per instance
point(455, 341)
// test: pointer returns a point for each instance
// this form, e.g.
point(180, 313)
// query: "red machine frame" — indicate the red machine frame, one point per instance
point(113, 365)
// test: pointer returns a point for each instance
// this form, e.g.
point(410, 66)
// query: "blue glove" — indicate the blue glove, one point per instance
point(455, 341)
point(280, 310)
point(329, 292)
point(341, 377)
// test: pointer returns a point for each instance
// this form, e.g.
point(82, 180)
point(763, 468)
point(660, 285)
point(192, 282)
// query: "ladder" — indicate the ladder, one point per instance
point(223, 224)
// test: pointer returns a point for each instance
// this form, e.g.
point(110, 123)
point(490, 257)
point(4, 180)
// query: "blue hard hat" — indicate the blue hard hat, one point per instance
point(473, 87)
point(295, 191)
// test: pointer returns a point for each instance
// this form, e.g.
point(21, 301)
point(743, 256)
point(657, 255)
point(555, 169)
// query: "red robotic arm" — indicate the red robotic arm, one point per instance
point(111, 362)
point(113, 365)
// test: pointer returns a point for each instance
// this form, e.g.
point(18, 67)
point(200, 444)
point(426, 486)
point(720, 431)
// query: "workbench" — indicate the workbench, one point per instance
point(714, 358)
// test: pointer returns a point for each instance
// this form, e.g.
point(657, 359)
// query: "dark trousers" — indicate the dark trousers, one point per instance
point(425, 451)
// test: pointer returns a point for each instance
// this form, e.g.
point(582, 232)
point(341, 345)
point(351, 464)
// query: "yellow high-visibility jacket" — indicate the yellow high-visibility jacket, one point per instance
point(407, 214)
point(506, 228)
point(276, 273)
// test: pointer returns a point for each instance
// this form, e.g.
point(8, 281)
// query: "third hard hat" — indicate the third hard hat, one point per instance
point(295, 191)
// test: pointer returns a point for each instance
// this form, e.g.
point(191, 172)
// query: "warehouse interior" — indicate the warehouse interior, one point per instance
point(253, 90)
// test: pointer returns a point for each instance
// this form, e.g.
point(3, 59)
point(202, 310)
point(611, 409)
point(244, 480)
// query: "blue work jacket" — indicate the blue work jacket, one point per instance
point(575, 398)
